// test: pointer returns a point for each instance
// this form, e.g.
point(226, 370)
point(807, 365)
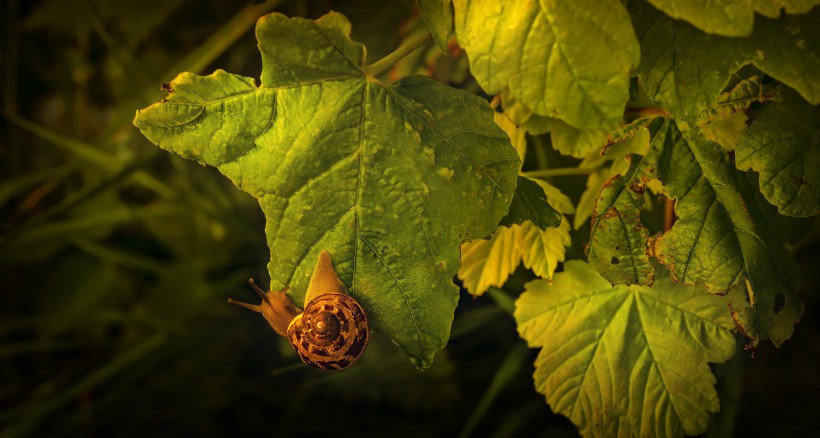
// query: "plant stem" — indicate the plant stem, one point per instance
point(495, 102)
point(646, 112)
point(407, 46)
point(564, 171)
point(502, 300)
point(509, 368)
point(668, 214)
point(539, 148)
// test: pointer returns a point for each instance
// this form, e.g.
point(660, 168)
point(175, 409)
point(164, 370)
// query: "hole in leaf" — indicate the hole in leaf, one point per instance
point(615, 261)
point(779, 302)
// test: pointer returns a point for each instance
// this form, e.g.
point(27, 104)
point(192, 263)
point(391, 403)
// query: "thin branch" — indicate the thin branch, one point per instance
point(407, 46)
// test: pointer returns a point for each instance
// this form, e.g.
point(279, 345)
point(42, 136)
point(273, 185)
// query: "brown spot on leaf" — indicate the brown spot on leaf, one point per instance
point(651, 243)
point(799, 181)
point(610, 213)
point(736, 316)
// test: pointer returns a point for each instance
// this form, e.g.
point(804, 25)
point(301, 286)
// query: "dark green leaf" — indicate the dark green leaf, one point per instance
point(684, 70)
point(729, 17)
point(530, 204)
point(618, 240)
point(720, 238)
point(783, 144)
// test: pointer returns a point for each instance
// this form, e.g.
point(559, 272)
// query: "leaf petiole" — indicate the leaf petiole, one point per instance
point(407, 46)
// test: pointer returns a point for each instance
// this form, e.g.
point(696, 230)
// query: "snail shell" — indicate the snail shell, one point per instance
point(331, 333)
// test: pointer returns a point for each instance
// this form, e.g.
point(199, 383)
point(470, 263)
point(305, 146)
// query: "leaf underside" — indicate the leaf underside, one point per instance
point(625, 360)
point(489, 262)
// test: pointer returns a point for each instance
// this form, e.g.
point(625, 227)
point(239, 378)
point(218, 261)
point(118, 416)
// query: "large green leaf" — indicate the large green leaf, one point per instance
point(729, 17)
point(720, 237)
point(389, 179)
point(684, 70)
point(569, 60)
point(783, 144)
point(625, 360)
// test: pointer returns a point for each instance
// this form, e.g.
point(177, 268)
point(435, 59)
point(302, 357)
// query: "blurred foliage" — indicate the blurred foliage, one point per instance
point(116, 258)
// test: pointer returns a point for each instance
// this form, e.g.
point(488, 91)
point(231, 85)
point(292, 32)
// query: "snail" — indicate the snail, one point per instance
point(331, 333)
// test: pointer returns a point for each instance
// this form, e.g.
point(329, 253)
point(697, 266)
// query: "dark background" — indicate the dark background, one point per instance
point(116, 259)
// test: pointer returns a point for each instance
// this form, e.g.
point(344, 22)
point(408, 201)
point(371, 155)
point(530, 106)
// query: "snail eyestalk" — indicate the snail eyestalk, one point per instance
point(276, 307)
point(331, 333)
point(257, 289)
point(255, 307)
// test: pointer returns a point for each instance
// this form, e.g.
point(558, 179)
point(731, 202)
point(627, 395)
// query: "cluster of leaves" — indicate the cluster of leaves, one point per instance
point(410, 181)
point(617, 357)
point(338, 159)
point(116, 258)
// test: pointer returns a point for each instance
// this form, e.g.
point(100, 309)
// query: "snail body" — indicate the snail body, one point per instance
point(332, 331)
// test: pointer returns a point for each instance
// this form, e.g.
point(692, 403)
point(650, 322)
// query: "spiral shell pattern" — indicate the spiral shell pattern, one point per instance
point(331, 333)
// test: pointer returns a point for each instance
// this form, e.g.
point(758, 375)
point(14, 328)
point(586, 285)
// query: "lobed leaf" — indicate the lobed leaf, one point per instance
point(550, 55)
point(625, 360)
point(719, 237)
point(783, 144)
point(389, 179)
point(542, 250)
point(729, 17)
point(685, 70)
point(489, 262)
